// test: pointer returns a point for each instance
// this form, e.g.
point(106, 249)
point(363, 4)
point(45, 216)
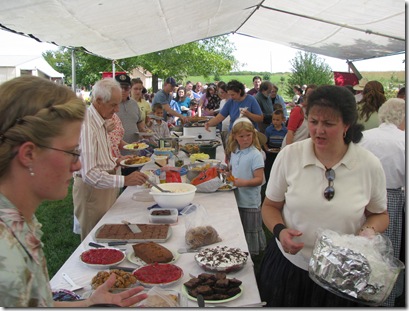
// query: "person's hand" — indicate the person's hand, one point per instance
point(237, 182)
point(135, 179)
point(110, 125)
point(122, 299)
point(184, 119)
point(286, 239)
point(207, 127)
point(122, 158)
point(368, 232)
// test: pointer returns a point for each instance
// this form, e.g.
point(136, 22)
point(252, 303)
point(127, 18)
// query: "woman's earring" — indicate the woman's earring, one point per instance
point(345, 134)
point(31, 171)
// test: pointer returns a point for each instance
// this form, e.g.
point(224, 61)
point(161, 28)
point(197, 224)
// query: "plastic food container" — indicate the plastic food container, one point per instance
point(163, 219)
point(182, 195)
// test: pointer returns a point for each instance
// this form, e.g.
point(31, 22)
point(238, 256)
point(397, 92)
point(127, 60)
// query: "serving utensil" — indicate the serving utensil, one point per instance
point(157, 187)
point(74, 286)
point(126, 269)
point(189, 250)
point(92, 244)
point(200, 301)
point(133, 227)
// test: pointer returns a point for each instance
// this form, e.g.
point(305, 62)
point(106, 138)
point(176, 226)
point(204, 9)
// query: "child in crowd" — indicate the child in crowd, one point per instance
point(275, 134)
point(193, 107)
point(156, 123)
point(247, 167)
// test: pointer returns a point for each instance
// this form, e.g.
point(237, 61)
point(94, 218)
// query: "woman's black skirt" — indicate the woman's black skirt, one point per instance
point(282, 284)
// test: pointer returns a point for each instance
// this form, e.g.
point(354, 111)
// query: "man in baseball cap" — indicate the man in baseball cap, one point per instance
point(171, 81)
point(123, 79)
point(165, 96)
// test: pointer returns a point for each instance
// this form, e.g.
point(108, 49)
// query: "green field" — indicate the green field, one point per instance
point(382, 76)
point(389, 79)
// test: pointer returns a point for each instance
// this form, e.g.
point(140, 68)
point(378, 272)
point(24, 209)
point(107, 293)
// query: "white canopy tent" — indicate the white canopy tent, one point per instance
point(345, 29)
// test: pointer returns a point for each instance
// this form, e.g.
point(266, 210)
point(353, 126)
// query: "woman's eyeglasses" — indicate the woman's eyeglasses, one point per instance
point(329, 192)
point(75, 153)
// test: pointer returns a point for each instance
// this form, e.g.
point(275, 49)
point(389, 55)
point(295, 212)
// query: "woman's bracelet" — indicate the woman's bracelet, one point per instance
point(277, 229)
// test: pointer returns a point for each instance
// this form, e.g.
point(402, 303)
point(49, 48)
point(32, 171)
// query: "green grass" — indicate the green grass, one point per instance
point(59, 240)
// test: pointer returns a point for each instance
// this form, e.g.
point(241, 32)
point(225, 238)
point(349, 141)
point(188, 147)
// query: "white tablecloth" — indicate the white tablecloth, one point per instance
point(223, 216)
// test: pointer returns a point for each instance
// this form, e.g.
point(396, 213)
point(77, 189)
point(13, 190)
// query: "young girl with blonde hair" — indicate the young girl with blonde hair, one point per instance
point(247, 166)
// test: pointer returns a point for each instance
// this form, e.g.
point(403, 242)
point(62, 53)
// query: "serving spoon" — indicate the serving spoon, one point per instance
point(157, 187)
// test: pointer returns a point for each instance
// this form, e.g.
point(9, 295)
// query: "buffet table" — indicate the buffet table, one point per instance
point(223, 216)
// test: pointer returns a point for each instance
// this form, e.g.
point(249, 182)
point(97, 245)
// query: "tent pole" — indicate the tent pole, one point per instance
point(354, 70)
point(73, 73)
point(113, 68)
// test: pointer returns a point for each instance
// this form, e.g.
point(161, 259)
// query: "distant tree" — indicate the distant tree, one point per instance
point(308, 68)
point(88, 67)
point(266, 77)
point(203, 57)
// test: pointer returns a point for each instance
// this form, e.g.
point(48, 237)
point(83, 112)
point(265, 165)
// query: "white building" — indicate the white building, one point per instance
point(12, 66)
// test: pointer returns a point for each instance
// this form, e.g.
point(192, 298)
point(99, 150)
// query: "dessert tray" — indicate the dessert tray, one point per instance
point(138, 261)
point(120, 232)
point(215, 288)
point(102, 257)
point(221, 259)
point(158, 274)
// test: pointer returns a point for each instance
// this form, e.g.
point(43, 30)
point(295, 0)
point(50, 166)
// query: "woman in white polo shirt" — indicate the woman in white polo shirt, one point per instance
point(325, 181)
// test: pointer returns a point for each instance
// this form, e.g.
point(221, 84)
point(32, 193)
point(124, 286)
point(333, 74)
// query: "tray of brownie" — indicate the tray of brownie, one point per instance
point(159, 233)
point(215, 288)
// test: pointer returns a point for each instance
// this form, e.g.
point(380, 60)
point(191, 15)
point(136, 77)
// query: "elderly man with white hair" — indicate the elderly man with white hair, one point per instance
point(387, 142)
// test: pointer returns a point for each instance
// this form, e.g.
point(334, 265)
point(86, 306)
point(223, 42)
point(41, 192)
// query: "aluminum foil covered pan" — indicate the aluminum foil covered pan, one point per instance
point(354, 267)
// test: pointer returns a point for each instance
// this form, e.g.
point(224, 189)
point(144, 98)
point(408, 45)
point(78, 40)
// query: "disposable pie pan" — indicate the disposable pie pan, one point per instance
point(159, 215)
point(102, 257)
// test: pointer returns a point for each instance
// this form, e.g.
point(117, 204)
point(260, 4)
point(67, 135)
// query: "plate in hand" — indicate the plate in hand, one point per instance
point(136, 164)
point(136, 146)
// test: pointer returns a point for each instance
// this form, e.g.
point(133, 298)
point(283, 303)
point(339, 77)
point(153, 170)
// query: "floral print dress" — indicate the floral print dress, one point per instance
point(24, 280)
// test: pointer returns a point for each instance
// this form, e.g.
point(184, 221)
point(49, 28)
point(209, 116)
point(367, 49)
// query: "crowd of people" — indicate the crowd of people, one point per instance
point(335, 162)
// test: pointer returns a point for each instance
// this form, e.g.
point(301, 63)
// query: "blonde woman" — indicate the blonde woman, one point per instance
point(40, 125)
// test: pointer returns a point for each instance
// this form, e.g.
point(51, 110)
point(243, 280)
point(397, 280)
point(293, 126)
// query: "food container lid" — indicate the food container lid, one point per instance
point(164, 219)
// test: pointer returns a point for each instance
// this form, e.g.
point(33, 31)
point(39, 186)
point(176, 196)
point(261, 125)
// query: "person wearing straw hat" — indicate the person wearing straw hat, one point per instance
point(247, 168)
point(359, 88)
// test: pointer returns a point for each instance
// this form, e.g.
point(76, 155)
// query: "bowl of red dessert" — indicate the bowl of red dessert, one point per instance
point(102, 257)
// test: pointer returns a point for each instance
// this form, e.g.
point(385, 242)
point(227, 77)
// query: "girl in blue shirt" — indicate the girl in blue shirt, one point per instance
point(247, 167)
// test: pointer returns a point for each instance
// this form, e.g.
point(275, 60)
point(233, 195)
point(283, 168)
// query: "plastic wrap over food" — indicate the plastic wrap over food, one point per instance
point(355, 267)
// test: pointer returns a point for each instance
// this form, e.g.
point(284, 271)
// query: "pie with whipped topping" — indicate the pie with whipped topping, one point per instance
point(221, 258)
